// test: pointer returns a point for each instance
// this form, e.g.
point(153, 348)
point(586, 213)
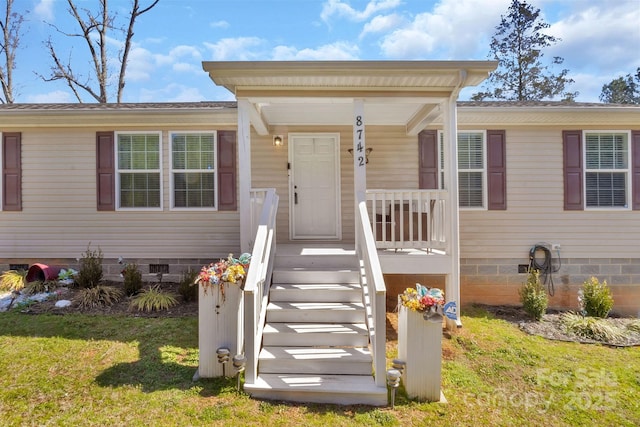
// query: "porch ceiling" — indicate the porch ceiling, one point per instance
point(405, 93)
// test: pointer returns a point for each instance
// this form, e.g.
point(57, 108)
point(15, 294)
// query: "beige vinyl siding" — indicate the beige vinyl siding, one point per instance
point(535, 210)
point(393, 164)
point(59, 217)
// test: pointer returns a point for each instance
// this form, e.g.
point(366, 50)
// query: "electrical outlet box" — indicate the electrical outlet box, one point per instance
point(555, 246)
point(523, 268)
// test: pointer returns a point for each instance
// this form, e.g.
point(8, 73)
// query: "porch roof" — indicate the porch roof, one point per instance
point(405, 93)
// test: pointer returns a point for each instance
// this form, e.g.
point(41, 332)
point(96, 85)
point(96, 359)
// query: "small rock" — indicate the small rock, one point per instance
point(63, 303)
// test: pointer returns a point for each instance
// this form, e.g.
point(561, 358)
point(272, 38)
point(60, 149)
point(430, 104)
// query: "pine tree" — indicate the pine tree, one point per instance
point(517, 46)
point(623, 90)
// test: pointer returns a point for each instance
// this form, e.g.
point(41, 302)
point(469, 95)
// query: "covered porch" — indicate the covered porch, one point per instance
point(333, 128)
point(280, 99)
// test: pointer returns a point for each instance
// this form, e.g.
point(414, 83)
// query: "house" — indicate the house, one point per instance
point(360, 163)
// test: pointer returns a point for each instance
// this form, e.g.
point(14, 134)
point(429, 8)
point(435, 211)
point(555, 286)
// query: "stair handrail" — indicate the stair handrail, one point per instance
point(374, 288)
point(256, 288)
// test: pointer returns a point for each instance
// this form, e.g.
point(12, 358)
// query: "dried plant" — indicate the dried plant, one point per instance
point(153, 299)
point(13, 280)
point(98, 296)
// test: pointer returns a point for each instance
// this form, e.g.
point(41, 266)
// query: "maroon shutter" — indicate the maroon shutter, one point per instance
point(496, 170)
point(227, 170)
point(428, 159)
point(572, 155)
point(635, 168)
point(105, 171)
point(11, 171)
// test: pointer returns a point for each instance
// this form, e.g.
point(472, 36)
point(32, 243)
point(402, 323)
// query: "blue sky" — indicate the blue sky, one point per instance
point(600, 39)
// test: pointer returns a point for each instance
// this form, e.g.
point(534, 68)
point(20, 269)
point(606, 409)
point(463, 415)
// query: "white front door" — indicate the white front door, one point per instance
point(314, 186)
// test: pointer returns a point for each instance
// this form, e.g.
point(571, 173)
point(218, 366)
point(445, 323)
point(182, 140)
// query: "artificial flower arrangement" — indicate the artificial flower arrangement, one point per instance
point(423, 299)
point(227, 270)
point(66, 277)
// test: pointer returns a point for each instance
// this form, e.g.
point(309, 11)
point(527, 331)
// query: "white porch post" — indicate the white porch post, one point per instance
point(452, 284)
point(359, 161)
point(244, 175)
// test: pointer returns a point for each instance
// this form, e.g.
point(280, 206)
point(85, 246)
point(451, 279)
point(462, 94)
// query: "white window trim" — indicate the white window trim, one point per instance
point(485, 189)
point(627, 171)
point(118, 170)
point(172, 171)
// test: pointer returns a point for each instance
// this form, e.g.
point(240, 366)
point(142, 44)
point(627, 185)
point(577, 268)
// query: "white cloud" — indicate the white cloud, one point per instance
point(186, 94)
point(408, 43)
point(604, 38)
point(175, 92)
point(333, 51)
point(186, 67)
point(43, 10)
point(599, 43)
point(219, 24)
point(382, 23)
point(234, 48)
point(343, 9)
point(141, 65)
point(51, 97)
point(185, 51)
point(459, 29)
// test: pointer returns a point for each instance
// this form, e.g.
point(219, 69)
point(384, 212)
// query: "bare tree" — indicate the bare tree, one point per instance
point(94, 30)
point(9, 44)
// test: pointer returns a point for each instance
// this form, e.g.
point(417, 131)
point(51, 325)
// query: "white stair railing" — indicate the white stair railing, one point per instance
point(256, 287)
point(402, 219)
point(257, 197)
point(374, 289)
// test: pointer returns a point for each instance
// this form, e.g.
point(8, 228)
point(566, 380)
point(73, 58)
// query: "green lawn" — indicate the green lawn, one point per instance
point(83, 370)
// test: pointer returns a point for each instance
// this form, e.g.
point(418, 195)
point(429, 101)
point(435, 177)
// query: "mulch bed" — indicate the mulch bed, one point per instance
point(551, 326)
point(122, 308)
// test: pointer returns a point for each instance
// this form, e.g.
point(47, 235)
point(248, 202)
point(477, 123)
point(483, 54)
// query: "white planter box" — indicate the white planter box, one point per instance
point(217, 327)
point(420, 346)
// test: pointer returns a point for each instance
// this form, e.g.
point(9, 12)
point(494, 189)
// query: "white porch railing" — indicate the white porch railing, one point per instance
point(256, 288)
point(402, 219)
point(257, 197)
point(375, 293)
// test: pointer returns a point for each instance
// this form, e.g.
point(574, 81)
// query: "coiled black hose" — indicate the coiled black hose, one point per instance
point(545, 267)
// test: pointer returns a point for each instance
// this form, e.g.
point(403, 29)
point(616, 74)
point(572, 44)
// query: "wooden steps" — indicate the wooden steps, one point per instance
point(315, 340)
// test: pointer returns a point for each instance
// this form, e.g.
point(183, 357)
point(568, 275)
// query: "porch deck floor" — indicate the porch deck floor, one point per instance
point(401, 261)
point(345, 248)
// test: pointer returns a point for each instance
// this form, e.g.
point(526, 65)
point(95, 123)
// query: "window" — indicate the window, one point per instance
point(193, 167)
point(138, 170)
point(482, 170)
point(606, 177)
point(471, 169)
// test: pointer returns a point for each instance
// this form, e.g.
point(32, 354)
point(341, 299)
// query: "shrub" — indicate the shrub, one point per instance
point(596, 299)
point(132, 279)
point(153, 299)
point(591, 327)
point(533, 296)
point(187, 288)
point(90, 273)
point(98, 296)
point(13, 280)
